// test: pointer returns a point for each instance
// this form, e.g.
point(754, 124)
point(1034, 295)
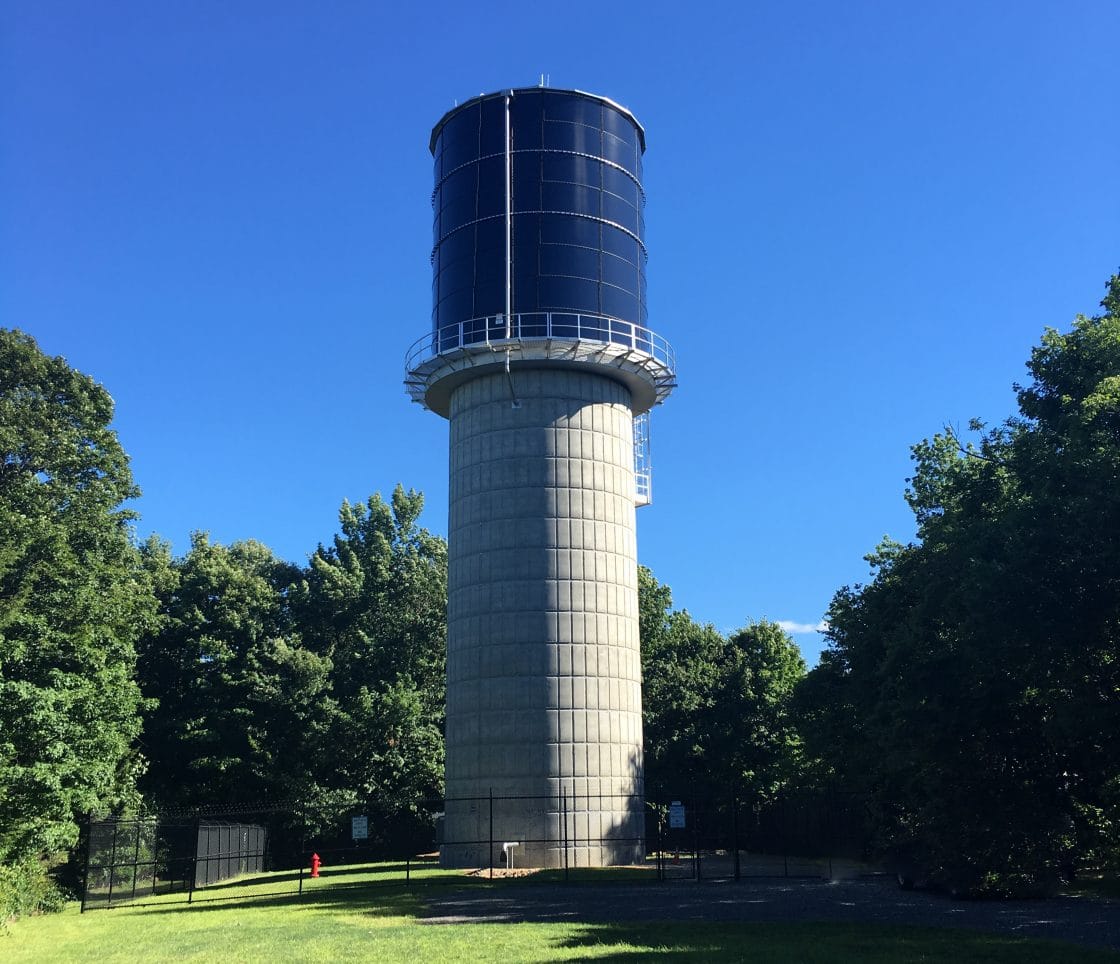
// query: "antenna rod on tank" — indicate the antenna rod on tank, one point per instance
point(509, 254)
point(509, 228)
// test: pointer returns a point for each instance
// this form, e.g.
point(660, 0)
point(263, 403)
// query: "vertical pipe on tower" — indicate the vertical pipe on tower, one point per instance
point(509, 228)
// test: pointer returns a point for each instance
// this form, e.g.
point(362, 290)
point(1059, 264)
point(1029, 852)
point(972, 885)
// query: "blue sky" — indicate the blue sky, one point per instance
point(861, 216)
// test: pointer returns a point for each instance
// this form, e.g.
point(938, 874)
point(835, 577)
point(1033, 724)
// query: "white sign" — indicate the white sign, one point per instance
point(359, 828)
point(676, 815)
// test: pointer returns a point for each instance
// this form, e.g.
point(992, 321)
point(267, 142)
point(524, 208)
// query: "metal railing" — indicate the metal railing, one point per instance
point(498, 332)
point(643, 463)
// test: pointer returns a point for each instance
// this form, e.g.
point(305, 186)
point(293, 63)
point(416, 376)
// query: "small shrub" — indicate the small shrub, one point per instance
point(25, 889)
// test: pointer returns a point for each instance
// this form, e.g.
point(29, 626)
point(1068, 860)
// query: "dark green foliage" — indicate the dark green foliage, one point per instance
point(716, 709)
point(754, 725)
point(973, 687)
point(72, 603)
point(26, 888)
point(375, 604)
point(320, 686)
point(236, 696)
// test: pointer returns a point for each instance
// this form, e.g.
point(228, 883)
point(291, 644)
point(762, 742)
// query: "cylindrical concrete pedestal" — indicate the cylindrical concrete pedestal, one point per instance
point(543, 666)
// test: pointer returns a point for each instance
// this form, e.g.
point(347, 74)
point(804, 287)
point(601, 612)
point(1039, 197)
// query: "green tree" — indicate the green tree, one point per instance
point(374, 603)
point(236, 698)
point(72, 601)
point(716, 710)
point(752, 721)
point(972, 686)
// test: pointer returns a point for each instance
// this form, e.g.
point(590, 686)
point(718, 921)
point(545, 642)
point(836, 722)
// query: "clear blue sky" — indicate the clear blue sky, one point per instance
point(861, 216)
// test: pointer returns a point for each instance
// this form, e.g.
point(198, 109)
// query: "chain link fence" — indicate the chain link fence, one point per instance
point(228, 854)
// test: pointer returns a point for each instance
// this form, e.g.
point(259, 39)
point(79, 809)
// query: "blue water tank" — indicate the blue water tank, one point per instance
point(575, 223)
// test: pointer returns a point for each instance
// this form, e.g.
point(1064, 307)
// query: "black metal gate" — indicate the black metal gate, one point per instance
point(807, 834)
point(128, 859)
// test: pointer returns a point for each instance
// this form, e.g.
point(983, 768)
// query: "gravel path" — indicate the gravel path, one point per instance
point(1083, 920)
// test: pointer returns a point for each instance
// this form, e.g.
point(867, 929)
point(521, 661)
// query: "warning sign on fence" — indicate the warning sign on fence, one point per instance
point(359, 828)
point(676, 815)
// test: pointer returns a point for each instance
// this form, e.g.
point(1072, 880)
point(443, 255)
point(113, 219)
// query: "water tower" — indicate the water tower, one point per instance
point(540, 357)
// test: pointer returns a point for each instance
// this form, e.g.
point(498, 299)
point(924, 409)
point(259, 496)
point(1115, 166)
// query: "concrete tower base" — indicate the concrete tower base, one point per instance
point(543, 664)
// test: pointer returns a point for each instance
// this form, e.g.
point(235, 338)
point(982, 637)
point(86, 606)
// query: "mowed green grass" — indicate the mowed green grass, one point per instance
point(367, 913)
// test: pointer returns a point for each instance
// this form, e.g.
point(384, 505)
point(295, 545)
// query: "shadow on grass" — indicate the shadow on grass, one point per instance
point(381, 880)
point(399, 868)
point(1095, 885)
point(387, 898)
point(274, 884)
point(595, 875)
point(808, 942)
point(335, 870)
point(712, 921)
point(259, 880)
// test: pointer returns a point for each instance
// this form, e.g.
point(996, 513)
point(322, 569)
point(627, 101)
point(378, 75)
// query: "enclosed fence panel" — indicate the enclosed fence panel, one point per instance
point(798, 834)
point(227, 850)
point(131, 859)
point(128, 860)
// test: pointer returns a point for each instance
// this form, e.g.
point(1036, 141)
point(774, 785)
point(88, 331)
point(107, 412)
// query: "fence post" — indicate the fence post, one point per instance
point(559, 816)
point(194, 859)
point(225, 849)
point(171, 861)
point(302, 854)
point(785, 837)
point(660, 847)
point(832, 832)
point(112, 863)
point(89, 852)
point(136, 859)
point(696, 839)
point(491, 833)
point(564, 799)
point(735, 830)
point(264, 844)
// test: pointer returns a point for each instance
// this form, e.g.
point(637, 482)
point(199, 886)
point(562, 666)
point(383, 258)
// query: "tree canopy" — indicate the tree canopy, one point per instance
point(234, 695)
point(73, 602)
point(973, 687)
point(717, 709)
point(374, 603)
point(320, 684)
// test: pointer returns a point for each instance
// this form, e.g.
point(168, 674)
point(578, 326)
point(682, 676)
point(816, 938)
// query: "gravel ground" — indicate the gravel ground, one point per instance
point(1083, 920)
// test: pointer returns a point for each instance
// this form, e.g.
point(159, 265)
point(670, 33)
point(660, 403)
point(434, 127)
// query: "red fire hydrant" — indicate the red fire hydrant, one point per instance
point(315, 864)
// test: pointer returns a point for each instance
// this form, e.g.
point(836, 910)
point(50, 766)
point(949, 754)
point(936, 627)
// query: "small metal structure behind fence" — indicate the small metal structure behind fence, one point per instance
point(229, 855)
point(132, 858)
point(807, 835)
point(228, 850)
point(135, 858)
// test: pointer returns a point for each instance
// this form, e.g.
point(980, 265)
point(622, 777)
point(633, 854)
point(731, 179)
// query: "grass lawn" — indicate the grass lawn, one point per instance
point(364, 914)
